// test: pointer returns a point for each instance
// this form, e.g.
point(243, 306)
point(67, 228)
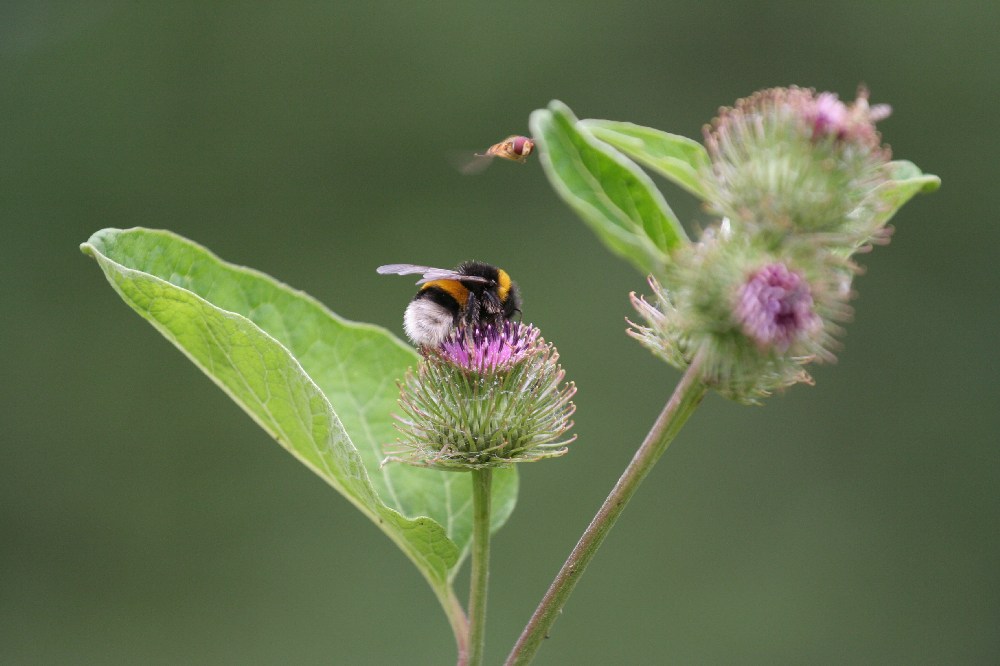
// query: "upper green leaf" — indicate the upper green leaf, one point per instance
point(323, 387)
point(610, 192)
point(678, 158)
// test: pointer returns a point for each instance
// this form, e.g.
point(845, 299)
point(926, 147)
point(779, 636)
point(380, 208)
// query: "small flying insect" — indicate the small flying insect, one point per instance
point(515, 148)
point(473, 294)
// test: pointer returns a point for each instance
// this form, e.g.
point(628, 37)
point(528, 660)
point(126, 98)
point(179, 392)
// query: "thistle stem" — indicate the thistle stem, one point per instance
point(481, 482)
point(686, 397)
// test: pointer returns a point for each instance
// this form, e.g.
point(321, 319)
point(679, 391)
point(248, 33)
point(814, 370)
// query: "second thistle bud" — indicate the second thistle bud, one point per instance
point(487, 396)
point(753, 314)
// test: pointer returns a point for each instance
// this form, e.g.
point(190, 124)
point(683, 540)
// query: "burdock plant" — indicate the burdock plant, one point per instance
point(798, 183)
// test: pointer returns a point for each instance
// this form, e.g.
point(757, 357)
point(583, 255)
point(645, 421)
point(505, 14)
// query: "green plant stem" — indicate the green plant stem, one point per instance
point(687, 396)
point(481, 481)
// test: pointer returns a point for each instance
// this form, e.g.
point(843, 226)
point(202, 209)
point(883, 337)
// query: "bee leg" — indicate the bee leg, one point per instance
point(491, 309)
point(470, 317)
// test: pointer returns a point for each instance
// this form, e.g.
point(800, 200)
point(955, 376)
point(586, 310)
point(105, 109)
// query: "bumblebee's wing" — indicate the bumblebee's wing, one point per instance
point(429, 273)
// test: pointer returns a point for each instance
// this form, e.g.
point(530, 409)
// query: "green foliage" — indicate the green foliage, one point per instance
point(589, 164)
point(323, 387)
point(677, 158)
point(614, 196)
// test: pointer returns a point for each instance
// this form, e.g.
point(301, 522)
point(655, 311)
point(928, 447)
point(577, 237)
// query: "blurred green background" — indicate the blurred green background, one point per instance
point(146, 519)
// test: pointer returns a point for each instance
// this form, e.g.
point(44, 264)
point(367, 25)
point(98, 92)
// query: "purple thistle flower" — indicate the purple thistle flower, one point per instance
point(828, 116)
point(487, 396)
point(488, 348)
point(853, 124)
point(775, 308)
point(755, 315)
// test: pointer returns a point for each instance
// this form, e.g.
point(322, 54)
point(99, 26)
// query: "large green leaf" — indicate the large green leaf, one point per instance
point(610, 192)
point(678, 158)
point(323, 387)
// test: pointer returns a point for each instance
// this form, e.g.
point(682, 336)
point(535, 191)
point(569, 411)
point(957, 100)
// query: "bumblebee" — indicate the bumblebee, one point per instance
point(473, 294)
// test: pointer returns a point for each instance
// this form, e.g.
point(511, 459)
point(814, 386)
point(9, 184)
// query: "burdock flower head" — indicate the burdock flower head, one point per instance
point(791, 161)
point(487, 396)
point(774, 307)
point(754, 315)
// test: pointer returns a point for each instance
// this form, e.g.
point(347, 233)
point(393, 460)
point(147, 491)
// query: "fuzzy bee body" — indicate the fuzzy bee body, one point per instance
point(472, 294)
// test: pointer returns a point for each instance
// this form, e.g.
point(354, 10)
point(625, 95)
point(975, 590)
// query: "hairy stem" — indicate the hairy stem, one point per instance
point(481, 481)
point(687, 396)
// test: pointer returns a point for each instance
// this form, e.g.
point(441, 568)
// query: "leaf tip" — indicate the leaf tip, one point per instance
point(557, 106)
point(932, 184)
point(540, 118)
point(560, 110)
